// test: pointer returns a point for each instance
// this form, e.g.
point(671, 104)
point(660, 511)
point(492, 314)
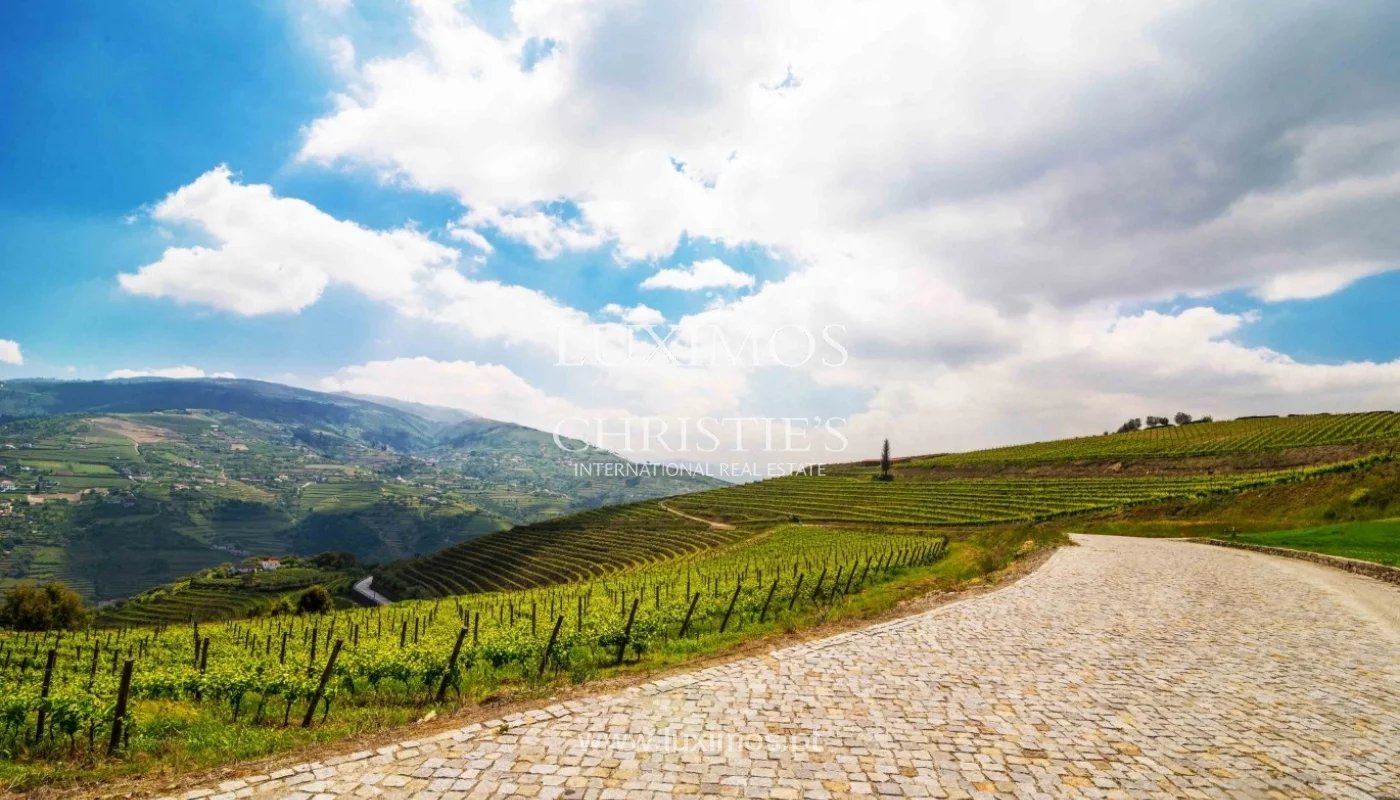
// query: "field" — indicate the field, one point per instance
point(1249, 435)
point(947, 502)
point(607, 540)
point(1377, 541)
point(255, 681)
point(577, 547)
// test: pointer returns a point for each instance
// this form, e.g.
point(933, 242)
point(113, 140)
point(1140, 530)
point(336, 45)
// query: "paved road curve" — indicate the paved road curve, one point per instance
point(1122, 668)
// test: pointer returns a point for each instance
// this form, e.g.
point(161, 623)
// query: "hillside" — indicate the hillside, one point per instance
point(1085, 481)
point(116, 487)
point(1248, 438)
point(646, 584)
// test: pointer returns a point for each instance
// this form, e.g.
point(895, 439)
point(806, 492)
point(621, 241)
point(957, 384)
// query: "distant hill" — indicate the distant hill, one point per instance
point(120, 486)
point(1208, 476)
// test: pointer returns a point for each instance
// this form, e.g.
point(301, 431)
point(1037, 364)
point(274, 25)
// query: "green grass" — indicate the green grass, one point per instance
point(1366, 541)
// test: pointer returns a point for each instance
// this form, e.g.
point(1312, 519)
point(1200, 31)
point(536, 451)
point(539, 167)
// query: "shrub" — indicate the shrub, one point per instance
point(315, 600)
point(28, 607)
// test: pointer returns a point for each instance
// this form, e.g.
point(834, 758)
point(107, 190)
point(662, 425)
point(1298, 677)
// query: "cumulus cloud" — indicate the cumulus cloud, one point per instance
point(708, 274)
point(275, 254)
point(471, 237)
point(1090, 375)
point(489, 390)
point(547, 235)
point(1060, 153)
point(182, 372)
point(640, 314)
point(967, 196)
point(10, 353)
point(272, 254)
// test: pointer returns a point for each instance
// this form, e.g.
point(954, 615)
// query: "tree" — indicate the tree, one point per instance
point(315, 600)
point(1182, 418)
point(885, 462)
point(336, 561)
point(1131, 425)
point(28, 607)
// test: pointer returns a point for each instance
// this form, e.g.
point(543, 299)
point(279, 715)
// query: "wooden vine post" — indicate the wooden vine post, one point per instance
point(321, 686)
point(627, 632)
point(44, 694)
point(685, 626)
point(730, 610)
point(119, 713)
point(796, 591)
point(451, 664)
point(763, 615)
point(549, 648)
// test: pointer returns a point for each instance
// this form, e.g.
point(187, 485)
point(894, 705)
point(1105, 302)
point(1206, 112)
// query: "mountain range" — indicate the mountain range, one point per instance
point(118, 486)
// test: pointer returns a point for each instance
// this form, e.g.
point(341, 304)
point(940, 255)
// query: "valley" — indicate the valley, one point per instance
point(625, 589)
point(131, 486)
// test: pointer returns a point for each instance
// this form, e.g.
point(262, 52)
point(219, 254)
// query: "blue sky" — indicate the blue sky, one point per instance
point(120, 106)
point(969, 237)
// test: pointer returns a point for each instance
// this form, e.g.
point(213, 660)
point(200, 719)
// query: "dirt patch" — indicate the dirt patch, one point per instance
point(135, 431)
point(719, 526)
point(72, 497)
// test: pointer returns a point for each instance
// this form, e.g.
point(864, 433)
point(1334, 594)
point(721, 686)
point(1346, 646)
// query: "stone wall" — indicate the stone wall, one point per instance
point(1367, 568)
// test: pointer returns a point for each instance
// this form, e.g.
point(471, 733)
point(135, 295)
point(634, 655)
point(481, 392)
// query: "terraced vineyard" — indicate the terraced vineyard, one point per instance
point(577, 547)
point(1198, 439)
point(608, 540)
point(975, 501)
point(222, 599)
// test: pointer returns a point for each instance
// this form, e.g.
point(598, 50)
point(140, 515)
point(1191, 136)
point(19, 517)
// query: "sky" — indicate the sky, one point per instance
point(721, 232)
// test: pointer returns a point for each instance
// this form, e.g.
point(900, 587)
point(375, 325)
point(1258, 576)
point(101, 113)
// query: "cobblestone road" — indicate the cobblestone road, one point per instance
point(1122, 668)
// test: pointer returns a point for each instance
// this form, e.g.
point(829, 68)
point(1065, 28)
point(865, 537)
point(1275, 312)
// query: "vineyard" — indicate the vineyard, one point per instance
point(604, 541)
point(644, 584)
point(576, 547)
point(206, 598)
point(1247, 435)
point(97, 692)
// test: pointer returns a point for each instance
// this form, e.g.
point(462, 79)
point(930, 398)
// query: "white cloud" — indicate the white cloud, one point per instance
point(640, 314)
point(546, 234)
point(342, 55)
point(968, 194)
point(471, 237)
point(274, 254)
point(1310, 285)
point(1071, 153)
point(9, 352)
point(489, 390)
point(708, 274)
point(182, 372)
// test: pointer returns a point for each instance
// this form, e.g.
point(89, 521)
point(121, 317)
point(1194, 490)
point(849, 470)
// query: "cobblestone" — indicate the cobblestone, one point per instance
point(1122, 668)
